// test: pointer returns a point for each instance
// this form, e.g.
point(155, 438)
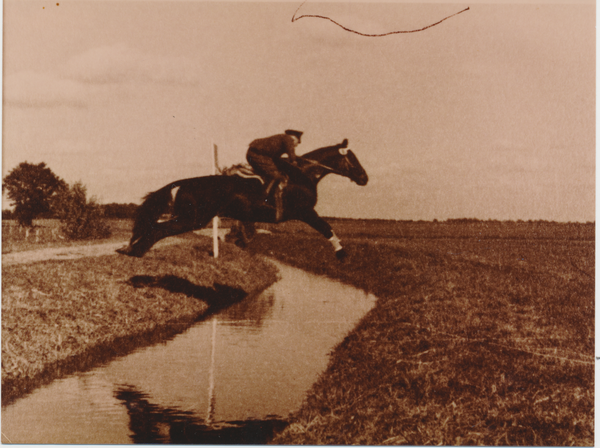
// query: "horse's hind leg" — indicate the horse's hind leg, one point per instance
point(138, 247)
point(181, 222)
point(188, 214)
point(186, 221)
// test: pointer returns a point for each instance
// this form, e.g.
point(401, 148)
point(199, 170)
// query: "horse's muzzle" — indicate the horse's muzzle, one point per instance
point(362, 180)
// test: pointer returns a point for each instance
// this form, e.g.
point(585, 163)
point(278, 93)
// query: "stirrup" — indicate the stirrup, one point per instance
point(269, 187)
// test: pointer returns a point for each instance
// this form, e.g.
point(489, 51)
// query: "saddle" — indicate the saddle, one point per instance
point(245, 170)
point(242, 170)
point(274, 190)
point(273, 196)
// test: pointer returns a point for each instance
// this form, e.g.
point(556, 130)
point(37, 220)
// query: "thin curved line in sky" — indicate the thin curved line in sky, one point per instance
point(294, 18)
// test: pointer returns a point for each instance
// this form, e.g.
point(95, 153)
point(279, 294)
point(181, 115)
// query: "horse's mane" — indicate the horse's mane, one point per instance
point(317, 154)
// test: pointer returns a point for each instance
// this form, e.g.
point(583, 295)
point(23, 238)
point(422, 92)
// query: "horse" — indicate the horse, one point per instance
point(195, 201)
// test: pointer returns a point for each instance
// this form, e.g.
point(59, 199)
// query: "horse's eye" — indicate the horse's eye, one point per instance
point(343, 151)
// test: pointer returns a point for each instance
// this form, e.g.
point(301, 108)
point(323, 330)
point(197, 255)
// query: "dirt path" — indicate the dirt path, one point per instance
point(92, 250)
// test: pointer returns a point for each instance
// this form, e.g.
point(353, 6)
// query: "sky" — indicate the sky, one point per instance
point(489, 114)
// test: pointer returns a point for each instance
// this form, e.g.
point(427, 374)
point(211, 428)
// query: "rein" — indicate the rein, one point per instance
point(314, 162)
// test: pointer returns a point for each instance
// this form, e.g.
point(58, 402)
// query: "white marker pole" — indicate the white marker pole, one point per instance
point(211, 379)
point(216, 218)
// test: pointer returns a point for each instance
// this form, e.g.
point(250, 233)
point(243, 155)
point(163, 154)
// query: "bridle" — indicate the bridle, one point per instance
point(333, 170)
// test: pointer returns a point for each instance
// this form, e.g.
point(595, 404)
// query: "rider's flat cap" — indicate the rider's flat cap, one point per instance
point(294, 133)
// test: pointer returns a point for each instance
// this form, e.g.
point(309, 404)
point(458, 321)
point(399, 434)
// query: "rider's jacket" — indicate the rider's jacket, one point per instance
point(274, 146)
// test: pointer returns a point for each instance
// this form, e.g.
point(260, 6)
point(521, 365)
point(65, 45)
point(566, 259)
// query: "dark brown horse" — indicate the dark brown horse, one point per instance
point(194, 202)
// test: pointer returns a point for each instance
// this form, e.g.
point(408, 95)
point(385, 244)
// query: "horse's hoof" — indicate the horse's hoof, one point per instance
point(241, 244)
point(341, 255)
point(128, 250)
point(125, 250)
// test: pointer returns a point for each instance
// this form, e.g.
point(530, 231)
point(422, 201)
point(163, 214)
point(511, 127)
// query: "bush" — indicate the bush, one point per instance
point(81, 218)
point(120, 211)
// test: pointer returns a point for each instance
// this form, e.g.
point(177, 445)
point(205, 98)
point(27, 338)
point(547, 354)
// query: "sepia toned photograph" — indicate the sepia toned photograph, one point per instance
point(298, 222)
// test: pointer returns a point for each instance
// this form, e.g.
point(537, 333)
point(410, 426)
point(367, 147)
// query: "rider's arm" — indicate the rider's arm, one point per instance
point(290, 151)
point(292, 156)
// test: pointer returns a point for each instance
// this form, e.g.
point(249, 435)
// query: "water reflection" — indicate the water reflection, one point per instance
point(217, 297)
point(231, 379)
point(249, 315)
point(151, 423)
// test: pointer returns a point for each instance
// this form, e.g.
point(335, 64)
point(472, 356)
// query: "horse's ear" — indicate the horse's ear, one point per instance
point(343, 151)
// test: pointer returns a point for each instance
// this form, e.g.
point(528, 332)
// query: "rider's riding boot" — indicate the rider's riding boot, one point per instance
point(279, 202)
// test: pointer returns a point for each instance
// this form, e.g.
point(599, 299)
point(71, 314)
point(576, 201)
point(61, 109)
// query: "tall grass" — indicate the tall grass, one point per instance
point(471, 342)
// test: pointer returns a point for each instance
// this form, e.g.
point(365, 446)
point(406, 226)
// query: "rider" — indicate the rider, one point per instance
point(261, 155)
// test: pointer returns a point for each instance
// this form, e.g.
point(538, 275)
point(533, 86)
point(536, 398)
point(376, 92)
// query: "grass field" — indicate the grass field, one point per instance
point(483, 334)
point(61, 316)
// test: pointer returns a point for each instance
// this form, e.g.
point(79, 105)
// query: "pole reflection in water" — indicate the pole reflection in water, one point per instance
point(211, 378)
point(232, 379)
point(150, 423)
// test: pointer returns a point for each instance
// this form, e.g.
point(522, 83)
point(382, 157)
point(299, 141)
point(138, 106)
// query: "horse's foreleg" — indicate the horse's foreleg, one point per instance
point(321, 226)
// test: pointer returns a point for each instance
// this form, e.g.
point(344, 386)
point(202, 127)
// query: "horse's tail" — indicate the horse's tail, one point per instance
point(154, 205)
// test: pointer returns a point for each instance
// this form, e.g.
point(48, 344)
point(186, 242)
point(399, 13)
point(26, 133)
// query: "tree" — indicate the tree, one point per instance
point(80, 218)
point(32, 188)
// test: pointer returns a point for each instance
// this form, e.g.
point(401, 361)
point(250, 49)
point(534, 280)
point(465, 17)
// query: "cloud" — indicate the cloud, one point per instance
point(31, 89)
point(87, 75)
point(71, 147)
point(520, 159)
point(119, 63)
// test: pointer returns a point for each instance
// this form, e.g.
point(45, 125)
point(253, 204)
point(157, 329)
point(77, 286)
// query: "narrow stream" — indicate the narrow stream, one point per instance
point(231, 379)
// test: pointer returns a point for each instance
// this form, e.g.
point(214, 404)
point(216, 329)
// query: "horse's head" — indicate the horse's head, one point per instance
point(334, 159)
point(350, 167)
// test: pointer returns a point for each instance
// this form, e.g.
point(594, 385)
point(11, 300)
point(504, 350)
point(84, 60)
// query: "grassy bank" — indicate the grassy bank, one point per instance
point(60, 316)
point(472, 341)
